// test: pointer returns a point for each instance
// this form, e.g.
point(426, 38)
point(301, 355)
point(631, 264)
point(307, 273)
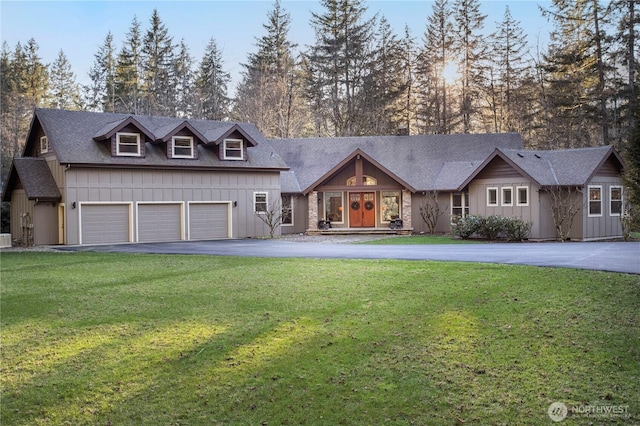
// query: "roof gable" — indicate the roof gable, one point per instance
point(36, 179)
point(183, 126)
point(110, 129)
point(494, 158)
point(347, 160)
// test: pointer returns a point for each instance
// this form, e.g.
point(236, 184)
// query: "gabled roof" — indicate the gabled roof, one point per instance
point(72, 135)
point(567, 167)
point(347, 160)
point(418, 161)
point(36, 179)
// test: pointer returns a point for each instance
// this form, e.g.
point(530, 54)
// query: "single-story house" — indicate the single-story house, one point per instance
point(95, 178)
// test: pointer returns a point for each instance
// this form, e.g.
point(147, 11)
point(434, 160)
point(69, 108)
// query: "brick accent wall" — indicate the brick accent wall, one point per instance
point(406, 209)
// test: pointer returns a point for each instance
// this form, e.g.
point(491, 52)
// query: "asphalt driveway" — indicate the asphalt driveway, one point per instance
point(604, 256)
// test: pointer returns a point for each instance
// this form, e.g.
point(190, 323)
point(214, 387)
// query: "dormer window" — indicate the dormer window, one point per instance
point(128, 144)
point(44, 145)
point(183, 147)
point(233, 149)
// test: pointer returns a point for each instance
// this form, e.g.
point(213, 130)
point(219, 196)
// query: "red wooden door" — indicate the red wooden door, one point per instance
point(362, 209)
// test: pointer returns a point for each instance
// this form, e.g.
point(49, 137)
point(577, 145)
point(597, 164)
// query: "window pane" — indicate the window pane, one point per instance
point(287, 212)
point(523, 195)
point(506, 196)
point(390, 206)
point(333, 206)
point(260, 201)
point(595, 201)
point(492, 196)
point(616, 200)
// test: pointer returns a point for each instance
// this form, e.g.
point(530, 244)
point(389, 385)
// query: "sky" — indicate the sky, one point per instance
point(79, 28)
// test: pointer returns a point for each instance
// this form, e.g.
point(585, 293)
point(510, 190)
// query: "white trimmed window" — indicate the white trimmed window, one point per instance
point(233, 149)
point(615, 200)
point(260, 202)
point(128, 144)
point(492, 197)
point(333, 207)
point(459, 205)
point(44, 145)
point(183, 147)
point(390, 206)
point(507, 196)
point(287, 210)
point(522, 195)
point(595, 201)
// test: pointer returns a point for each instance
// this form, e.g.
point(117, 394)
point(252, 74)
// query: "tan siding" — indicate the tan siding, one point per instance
point(19, 205)
point(173, 185)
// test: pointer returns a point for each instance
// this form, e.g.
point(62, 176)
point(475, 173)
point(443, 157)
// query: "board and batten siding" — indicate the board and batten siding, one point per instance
point(171, 186)
point(604, 226)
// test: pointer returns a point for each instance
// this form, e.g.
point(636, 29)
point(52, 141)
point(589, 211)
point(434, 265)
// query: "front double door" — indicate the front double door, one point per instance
point(362, 209)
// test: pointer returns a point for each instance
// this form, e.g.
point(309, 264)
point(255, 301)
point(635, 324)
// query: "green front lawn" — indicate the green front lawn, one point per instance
point(119, 339)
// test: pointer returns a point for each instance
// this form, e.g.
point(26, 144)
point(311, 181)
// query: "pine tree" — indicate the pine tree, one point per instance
point(471, 49)
point(340, 59)
point(128, 91)
point(158, 58)
point(435, 106)
point(35, 75)
point(211, 85)
point(269, 93)
point(183, 82)
point(100, 94)
point(64, 92)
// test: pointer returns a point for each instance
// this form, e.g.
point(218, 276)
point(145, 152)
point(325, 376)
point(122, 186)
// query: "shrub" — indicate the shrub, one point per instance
point(491, 227)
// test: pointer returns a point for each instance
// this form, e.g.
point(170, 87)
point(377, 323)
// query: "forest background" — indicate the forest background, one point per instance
point(360, 76)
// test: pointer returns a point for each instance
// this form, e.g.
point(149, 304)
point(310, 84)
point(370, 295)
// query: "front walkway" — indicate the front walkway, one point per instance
point(603, 256)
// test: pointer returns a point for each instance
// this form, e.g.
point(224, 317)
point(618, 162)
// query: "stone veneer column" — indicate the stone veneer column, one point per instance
point(313, 211)
point(406, 209)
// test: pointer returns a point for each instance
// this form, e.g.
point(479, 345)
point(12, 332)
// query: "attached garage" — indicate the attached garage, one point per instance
point(209, 221)
point(159, 222)
point(105, 223)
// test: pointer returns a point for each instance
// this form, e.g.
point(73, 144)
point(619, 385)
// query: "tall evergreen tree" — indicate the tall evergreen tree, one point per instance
point(64, 92)
point(100, 93)
point(211, 85)
point(435, 92)
point(269, 93)
point(471, 49)
point(340, 59)
point(128, 88)
point(35, 75)
point(183, 83)
point(158, 58)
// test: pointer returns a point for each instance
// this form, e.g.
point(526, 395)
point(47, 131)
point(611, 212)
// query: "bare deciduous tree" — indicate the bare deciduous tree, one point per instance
point(273, 215)
point(565, 203)
point(430, 211)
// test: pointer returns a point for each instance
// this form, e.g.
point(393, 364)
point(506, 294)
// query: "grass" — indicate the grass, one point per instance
point(117, 339)
point(421, 239)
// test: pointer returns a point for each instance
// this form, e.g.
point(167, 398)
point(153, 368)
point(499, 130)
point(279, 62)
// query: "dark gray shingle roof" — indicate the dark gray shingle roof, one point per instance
point(71, 134)
point(560, 167)
point(36, 179)
point(425, 162)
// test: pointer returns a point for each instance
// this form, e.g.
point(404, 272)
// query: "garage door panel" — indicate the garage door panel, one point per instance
point(208, 221)
point(105, 224)
point(159, 222)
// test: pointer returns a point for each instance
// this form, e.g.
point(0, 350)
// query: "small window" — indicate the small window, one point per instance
point(233, 149)
point(287, 210)
point(333, 206)
point(615, 197)
point(366, 180)
point(595, 201)
point(507, 196)
point(522, 192)
point(128, 144)
point(183, 147)
point(390, 205)
point(44, 145)
point(492, 197)
point(260, 202)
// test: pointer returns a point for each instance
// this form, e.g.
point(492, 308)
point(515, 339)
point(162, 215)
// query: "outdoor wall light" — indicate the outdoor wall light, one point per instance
point(235, 204)
point(73, 205)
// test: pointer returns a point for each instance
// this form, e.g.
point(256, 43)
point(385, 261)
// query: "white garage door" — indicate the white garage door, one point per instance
point(208, 221)
point(104, 223)
point(159, 222)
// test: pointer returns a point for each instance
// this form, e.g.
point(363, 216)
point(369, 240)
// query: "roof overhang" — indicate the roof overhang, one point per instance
point(36, 179)
point(218, 138)
point(495, 154)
